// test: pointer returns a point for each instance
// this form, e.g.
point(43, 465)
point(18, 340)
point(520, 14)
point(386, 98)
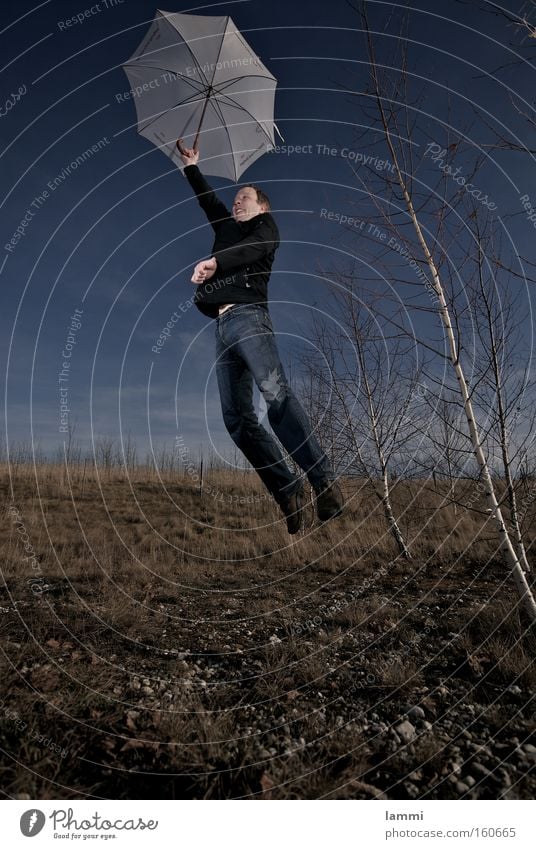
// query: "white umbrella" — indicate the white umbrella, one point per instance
point(196, 76)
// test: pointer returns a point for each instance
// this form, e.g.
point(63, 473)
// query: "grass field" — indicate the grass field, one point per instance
point(162, 642)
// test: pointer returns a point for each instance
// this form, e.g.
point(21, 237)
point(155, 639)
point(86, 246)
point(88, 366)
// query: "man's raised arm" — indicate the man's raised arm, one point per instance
point(212, 206)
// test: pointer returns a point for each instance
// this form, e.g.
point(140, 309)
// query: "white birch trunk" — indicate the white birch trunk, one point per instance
point(507, 548)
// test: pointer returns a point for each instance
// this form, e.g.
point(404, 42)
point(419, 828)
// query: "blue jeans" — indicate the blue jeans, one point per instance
point(246, 350)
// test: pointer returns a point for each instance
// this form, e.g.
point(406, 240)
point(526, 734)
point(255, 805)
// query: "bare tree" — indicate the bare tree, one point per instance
point(504, 387)
point(105, 453)
point(364, 402)
point(389, 93)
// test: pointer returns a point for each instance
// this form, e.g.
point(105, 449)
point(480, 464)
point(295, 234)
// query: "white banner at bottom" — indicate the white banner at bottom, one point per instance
point(268, 824)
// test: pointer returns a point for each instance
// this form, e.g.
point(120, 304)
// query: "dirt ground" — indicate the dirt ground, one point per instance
point(162, 642)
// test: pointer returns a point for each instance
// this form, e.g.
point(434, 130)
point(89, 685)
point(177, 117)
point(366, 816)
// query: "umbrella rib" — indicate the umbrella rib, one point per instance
point(224, 33)
point(211, 88)
point(184, 102)
point(248, 47)
point(176, 30)
point(243, 109)
point(158, 115)
point(215, 103)
point(224, 125)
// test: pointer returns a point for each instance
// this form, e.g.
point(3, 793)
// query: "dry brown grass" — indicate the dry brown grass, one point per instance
point(264, 654)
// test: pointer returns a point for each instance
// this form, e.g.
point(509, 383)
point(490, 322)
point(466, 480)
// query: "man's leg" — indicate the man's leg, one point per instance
point(235, 384)
point(257, 348)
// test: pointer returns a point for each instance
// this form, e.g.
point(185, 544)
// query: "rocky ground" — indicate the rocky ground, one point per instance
point(321, 672)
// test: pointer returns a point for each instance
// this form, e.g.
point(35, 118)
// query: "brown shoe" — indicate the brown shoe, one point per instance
point(293, 508)
point(329, 500)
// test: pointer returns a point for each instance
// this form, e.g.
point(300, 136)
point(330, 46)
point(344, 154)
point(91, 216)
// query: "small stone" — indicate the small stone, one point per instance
point(147, 691)
point(482, 751)
point(514, 690)
point(469, 781)
point(481, 770)
point(427, 726)
point(406, 731)
point(505, 778)
point(416, 713)
point(412, 790)
point(461, 787)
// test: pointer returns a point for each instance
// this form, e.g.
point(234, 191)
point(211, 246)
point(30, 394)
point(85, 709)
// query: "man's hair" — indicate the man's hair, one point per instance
point(261, 197)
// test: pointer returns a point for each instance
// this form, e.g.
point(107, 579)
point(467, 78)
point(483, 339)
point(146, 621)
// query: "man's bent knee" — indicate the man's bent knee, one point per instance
point(238, 424)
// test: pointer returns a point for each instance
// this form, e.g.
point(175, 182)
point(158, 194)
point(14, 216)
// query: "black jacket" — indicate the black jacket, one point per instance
point(244, 252)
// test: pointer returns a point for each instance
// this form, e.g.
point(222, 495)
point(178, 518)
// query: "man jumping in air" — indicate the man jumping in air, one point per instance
point(232, 289)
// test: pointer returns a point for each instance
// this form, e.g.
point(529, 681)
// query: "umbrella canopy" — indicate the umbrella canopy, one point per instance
point(196, 78)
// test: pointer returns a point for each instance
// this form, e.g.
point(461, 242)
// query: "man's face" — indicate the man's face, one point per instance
point(245, 204)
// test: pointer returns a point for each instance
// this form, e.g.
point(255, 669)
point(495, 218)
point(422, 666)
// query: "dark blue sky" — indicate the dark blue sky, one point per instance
point(118, 236)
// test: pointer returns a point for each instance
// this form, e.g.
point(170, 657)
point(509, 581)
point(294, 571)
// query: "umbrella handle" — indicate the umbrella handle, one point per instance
point(196, 140)
point(182, 150)
point(209, 92)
